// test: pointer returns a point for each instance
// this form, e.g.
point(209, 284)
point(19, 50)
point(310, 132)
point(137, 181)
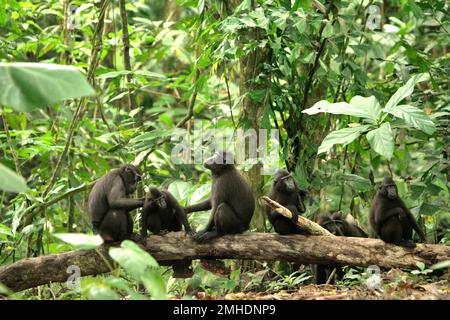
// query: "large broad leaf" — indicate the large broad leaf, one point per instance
point(10, 181)
point(26, 86)
point(414, 117)
point(340, 108)
point(101, 292)
point(403, 92)
point(382, 140)
point(80, 240)
point(368, 106)
point(179, 189)
point(155, 285)
point(343, 136)
point(133, 259)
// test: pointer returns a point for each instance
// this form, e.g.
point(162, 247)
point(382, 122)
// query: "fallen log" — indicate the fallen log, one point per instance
point(32, 272)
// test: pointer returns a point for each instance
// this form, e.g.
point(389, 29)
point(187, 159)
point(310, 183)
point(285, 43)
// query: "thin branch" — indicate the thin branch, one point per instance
point(126, 51)
point(303, 223)
point(10, 144)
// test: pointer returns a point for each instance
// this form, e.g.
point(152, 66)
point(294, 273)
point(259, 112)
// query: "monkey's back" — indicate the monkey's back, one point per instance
point(98, 199)
point(231, 187)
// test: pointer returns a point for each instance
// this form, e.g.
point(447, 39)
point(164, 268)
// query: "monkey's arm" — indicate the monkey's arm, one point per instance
point(413, 222)
point(117, 197)
point(202, 206)
point(300, 205)
point(144, 223)
point(179, 212)
point(183, 219)
point(210, 224)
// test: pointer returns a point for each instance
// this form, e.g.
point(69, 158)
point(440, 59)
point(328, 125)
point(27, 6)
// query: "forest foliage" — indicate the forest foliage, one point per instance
point(87, 86)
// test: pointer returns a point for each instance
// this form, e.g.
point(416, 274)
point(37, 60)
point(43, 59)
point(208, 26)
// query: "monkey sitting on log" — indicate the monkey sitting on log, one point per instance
point(337, 225)
point(285, 191)
point(391, 219)
point(231, 203)
point(162, 214)
point(109, 204)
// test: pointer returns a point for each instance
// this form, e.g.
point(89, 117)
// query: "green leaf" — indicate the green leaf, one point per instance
point(133, 259)
point(428, 209)
point(101, 292)
point(343, 136)
point(10, 181)
point(381, 140)
point(200, 193)
point(369, 106)
point(403, 92)
point(26, 86)
point(258, 95)
point(80, 240)
point(148, 137)
point(155, 285)
point(357, 183)
point(420, 265)
point(345, 109)
point(5, 290)
point(328, 31)
point(441, 265)
point(415, 118)
point(179, 189)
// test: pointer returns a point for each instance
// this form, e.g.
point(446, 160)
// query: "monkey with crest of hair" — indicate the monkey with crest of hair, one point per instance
point(162, 214)
point(109, 204)
point(286, 192)
point(391, 219)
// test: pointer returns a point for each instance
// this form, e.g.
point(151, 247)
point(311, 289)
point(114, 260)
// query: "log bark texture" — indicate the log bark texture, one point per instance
point(31, 272)
point(303, 223)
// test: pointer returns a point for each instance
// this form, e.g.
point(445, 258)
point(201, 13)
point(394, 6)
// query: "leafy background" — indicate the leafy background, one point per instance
point(352, 105)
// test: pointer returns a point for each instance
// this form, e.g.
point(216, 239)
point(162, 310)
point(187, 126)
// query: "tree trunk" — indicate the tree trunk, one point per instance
point(253, 78)
point(32, 272)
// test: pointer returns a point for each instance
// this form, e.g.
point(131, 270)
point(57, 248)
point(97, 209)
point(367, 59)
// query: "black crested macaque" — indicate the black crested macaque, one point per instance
point(109, 205)
point(162, 214)
point(285, 191)
point(391, 219)
point(231, 203)
point(337, 225)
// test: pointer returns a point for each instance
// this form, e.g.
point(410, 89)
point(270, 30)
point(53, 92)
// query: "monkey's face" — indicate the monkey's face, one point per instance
point(219, 161)
point(161, 202)
point(284, 183)
point(156, 198)
point(389, 191)
point(388, 188)
point(131, 177)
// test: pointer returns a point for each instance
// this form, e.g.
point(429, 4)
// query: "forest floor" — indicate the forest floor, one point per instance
point(432, 291)
point(395, 285)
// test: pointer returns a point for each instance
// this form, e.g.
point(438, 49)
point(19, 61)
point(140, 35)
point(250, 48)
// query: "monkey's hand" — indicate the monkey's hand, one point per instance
point(191, 233)
point(204, 236)
point(163, 232)
point(408, 244)
point(422, 240)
